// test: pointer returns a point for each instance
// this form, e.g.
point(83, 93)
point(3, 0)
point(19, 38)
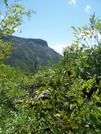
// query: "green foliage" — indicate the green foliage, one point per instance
point(30, 53)
point(62, 99)
point(12, 19)
point(5, 49)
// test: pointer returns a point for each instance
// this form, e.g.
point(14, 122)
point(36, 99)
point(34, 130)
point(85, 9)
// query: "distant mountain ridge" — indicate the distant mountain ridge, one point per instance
point(30, 53)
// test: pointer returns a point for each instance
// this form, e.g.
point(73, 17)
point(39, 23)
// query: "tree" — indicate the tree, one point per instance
point(52, 100)
point(89, 35)
point(84, 53)
point(12, 19)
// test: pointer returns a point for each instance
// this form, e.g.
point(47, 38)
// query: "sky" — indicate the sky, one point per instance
point(54, 18)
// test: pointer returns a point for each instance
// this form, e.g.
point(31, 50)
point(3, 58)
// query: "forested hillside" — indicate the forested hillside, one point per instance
point(29, 54)
point(64, 98)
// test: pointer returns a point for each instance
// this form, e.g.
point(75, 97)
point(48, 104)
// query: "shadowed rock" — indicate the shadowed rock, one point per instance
point(44, 95)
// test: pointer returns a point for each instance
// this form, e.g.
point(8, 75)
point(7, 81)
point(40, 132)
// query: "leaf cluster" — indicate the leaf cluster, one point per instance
point(11, 20)
point(62, 99)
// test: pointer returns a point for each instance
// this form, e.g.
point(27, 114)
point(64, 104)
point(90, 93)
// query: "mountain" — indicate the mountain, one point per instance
point(30, 53)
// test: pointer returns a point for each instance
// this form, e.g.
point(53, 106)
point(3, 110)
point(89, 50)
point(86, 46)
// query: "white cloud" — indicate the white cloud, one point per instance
point(2, 17)
point(72, 2)
point(59, 48)
point(87, 9)
point(99, 38)
point(15, 29)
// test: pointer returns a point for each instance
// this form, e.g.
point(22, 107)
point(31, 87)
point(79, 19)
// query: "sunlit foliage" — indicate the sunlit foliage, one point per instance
point(10, 21)
point(62, 99)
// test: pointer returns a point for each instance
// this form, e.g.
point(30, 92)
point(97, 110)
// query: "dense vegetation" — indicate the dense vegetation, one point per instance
point(62, 99)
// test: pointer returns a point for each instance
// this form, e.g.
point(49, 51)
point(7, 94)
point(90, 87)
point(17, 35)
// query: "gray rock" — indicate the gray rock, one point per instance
point(44, 95)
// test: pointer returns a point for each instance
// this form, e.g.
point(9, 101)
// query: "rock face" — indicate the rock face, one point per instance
point(39, 42)
point(26, 40)
point(31, 53)
point(44, 95)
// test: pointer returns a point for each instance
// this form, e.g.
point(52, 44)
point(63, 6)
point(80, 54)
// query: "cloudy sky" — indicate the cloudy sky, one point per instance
point(54, 18)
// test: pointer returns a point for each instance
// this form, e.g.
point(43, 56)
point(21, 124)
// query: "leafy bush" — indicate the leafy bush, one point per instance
point(63, 99)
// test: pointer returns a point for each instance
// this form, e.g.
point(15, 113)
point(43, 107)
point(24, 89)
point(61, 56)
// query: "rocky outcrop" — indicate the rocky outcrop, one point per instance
point(44, 95)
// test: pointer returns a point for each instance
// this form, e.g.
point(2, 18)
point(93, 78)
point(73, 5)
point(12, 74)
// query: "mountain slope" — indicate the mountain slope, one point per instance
point(30, 53)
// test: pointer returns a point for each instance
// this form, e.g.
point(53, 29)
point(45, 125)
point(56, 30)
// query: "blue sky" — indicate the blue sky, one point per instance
point(54, 18)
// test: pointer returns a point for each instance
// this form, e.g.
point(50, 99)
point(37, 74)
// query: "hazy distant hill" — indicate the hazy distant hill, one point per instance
point(30, 53)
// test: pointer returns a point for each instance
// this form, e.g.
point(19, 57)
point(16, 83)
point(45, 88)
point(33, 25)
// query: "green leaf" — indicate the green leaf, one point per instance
point(80, 101)
point(74, 29)
point(93, 118)
point(0, 12)
point(5, 1)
